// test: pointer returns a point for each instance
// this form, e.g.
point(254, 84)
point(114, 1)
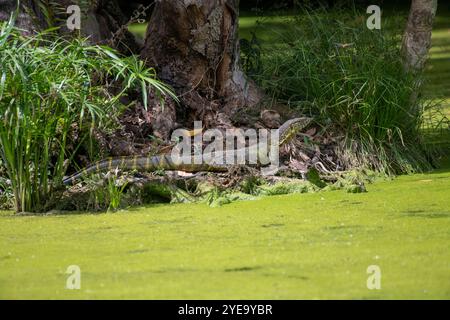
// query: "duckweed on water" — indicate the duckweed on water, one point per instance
point(315, 245)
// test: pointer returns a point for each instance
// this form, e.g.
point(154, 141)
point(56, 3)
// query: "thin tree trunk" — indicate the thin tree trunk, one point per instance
point(417, 36)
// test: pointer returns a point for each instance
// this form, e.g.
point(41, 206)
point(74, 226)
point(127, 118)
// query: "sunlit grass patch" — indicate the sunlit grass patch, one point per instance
point(138, 29)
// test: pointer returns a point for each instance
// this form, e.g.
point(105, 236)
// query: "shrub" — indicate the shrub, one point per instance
point(48, 85)
point(351, 79)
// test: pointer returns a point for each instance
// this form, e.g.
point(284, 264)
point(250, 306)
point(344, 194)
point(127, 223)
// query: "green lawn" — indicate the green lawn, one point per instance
point(282, 247)
point(438, 70)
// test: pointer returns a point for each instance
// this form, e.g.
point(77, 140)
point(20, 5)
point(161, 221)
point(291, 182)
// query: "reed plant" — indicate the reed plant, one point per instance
point(48, 85)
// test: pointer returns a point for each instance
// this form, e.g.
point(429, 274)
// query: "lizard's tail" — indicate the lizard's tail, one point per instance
point(140, 163)
point(123, 163)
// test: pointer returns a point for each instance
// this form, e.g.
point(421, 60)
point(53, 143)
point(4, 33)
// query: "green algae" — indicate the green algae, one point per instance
point(311, 246)
point(314, 245)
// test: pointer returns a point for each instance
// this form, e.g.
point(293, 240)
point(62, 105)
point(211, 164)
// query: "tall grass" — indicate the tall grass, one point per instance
point(47, 86)
point(351, 79)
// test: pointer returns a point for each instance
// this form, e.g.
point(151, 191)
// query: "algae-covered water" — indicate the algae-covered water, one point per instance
point(316, 245)
point(310, 246)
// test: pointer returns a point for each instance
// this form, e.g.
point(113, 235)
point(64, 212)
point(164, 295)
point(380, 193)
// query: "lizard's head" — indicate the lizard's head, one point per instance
point(299, 123)
point(291, 127)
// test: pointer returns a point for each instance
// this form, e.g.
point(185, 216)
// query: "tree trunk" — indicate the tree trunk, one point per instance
point(194, 46)
point(27, 19)
point(102, 21)
point(417, 36)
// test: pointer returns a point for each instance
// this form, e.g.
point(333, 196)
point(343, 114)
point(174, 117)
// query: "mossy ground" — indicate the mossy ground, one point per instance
point(315, 245)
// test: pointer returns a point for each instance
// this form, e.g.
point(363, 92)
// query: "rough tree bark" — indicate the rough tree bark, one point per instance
point(101, 20)
point(417, 36)
point(105, 22)
point(28, 19)
point(194, 46)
